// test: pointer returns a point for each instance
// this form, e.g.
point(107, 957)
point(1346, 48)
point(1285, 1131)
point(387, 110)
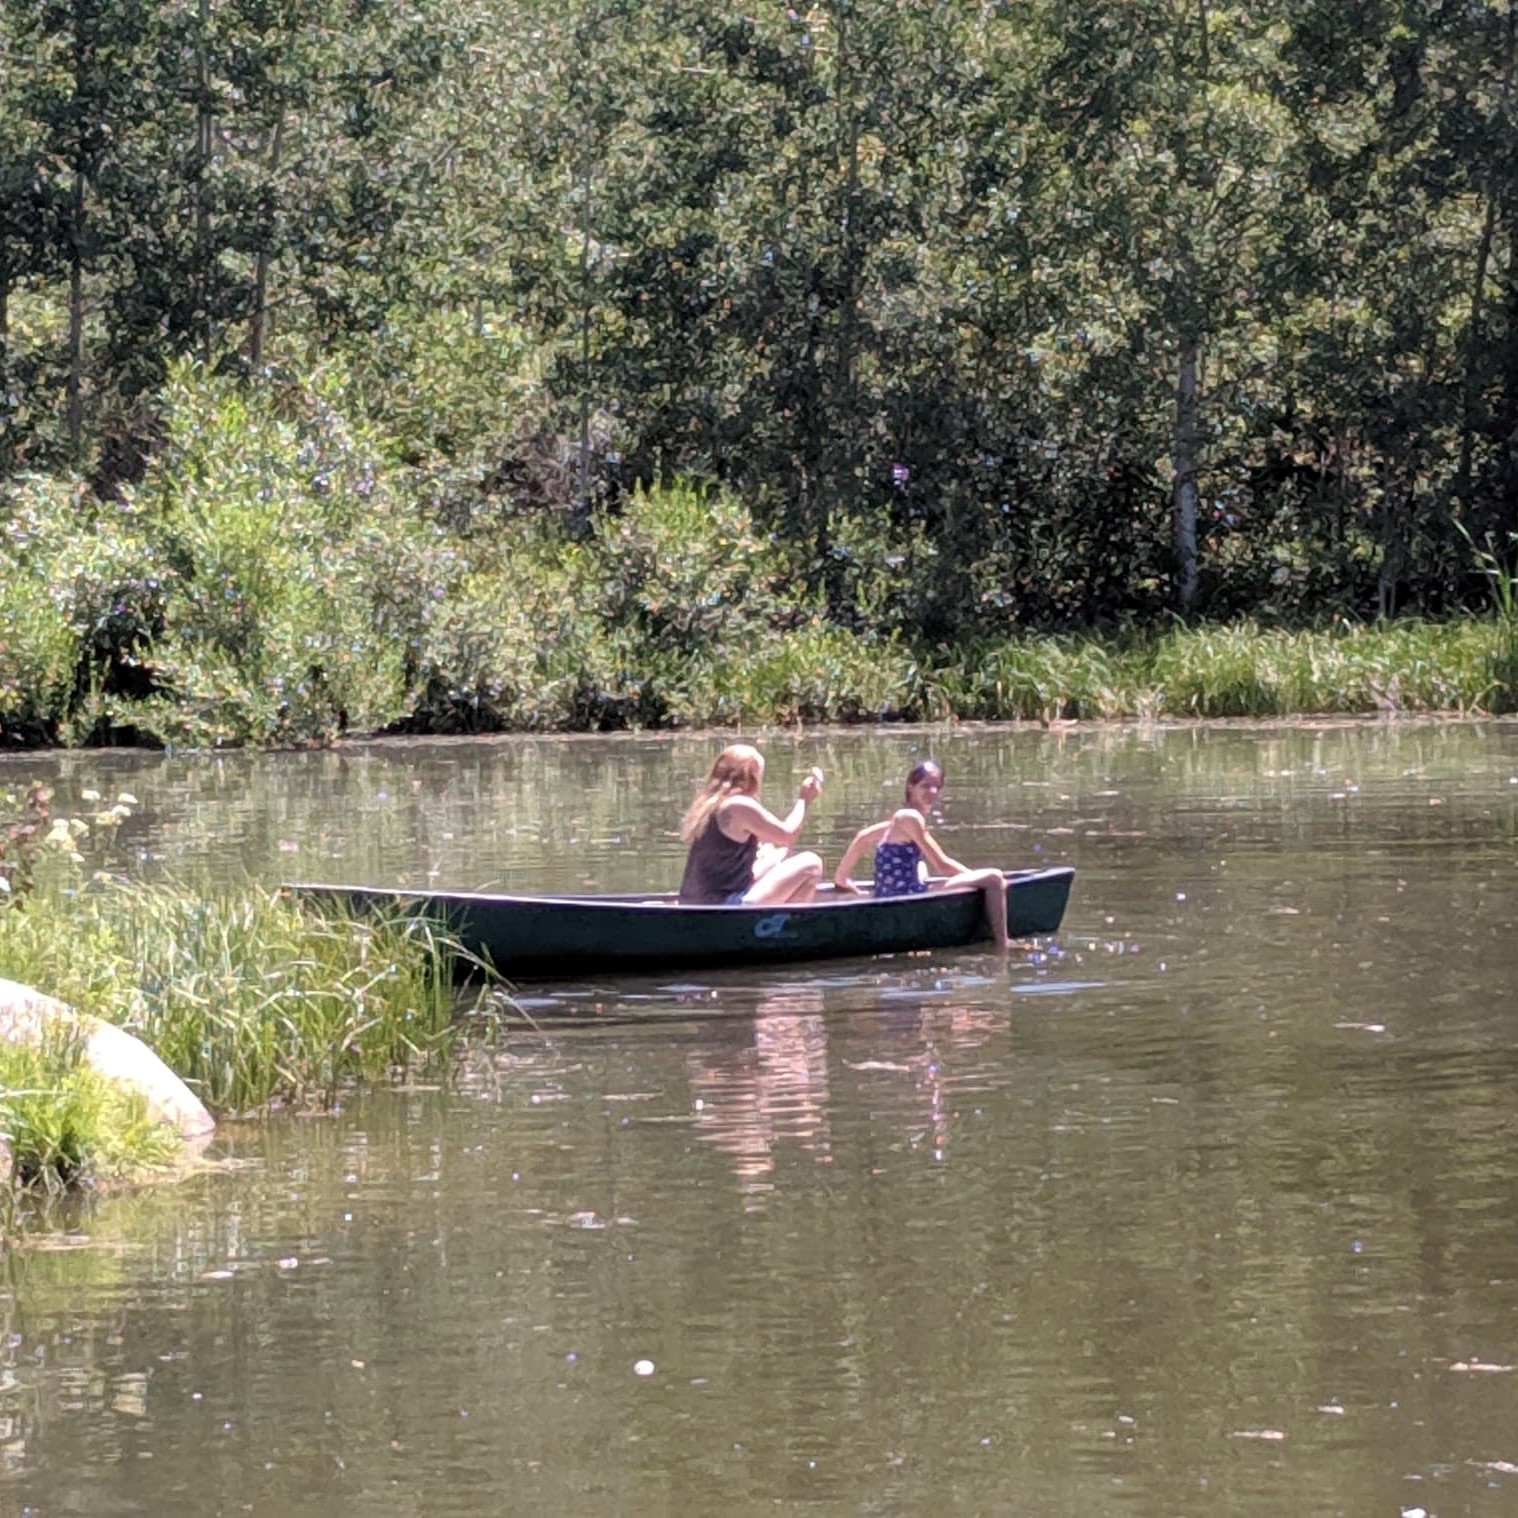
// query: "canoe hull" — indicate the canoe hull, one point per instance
point(534, 937)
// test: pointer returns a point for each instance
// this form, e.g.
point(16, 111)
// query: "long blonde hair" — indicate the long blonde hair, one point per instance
point(735, 773)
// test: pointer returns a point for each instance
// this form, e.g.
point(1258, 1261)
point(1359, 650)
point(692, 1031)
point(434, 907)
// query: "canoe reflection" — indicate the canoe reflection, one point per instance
point(769, 1088)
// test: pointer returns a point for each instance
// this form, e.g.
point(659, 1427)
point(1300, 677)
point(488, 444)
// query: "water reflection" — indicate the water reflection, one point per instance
point(763, 1083)
point(1207, 1210)
point(941, 1072)
point(915, 1049)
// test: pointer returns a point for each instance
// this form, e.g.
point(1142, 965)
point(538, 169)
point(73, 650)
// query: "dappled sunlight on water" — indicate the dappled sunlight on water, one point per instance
point(1204, 1206)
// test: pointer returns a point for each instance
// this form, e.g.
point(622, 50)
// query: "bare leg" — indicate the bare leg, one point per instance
point(993, 886)
point(769, 855)
point(795, 879)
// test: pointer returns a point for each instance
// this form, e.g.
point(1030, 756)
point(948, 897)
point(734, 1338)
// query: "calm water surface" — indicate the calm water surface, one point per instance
point(1206, 1207)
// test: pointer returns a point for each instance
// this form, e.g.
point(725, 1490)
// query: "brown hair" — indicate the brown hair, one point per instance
point(920, 771)
point(736, 772)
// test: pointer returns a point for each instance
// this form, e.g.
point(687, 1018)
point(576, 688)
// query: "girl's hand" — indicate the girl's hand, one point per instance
point(811, 785)
point(848, 887)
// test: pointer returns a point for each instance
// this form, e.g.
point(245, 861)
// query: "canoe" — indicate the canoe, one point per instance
point(556, 937)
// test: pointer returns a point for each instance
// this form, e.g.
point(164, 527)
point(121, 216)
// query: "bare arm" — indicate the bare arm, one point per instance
point(744, 817)
point(864, 839)
point(910, 822)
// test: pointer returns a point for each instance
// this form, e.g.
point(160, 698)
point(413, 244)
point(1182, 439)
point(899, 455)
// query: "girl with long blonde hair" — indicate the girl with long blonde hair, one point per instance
point(740, 851)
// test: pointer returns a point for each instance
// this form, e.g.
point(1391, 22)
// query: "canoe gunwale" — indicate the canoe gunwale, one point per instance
point(537, 937)
point(831, 900)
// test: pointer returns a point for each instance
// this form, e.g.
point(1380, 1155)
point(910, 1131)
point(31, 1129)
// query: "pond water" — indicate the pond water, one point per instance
point(1206, 1206)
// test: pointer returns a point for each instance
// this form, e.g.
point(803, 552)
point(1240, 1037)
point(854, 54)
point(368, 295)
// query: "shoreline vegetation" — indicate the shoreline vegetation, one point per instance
point(252, 1001)
point(223, 603)
point(361, 374)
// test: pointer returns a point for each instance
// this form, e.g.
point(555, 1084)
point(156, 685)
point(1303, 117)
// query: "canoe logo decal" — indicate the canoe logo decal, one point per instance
point(773, 926)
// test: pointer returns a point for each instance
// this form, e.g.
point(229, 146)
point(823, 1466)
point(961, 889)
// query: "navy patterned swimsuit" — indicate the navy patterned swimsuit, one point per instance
point(896, 869)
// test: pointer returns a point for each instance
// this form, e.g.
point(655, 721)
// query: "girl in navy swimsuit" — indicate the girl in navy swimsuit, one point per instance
point(902, 843)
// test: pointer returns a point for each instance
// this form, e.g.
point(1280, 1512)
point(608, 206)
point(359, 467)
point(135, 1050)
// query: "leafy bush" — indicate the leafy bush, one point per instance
point(684, 569)
point(280, 531)
point(39, 647)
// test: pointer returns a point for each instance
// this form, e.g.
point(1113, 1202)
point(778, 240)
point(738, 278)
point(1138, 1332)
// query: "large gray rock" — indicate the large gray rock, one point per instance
point(26, 1015)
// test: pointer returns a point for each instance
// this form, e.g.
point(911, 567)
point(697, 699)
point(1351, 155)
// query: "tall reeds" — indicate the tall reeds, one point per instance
point(1501, 575)
point(246, 996)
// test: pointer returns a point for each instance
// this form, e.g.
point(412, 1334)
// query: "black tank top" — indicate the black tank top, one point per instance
point(717, 868)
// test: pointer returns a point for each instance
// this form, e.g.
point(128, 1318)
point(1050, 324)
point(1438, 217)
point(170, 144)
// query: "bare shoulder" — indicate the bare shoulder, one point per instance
point(906, 825)
point(736, 815)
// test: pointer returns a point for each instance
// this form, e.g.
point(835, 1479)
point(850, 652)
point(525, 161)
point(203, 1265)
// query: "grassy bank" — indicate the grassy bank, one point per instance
point(249, 999)
point(1243, 671)
point(828, 675)
point(275, 578)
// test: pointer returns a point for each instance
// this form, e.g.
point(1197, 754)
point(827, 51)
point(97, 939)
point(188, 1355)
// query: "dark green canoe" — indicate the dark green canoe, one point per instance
point(538, 937)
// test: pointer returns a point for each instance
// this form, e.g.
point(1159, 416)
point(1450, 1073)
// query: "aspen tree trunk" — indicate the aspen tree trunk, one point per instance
point(75, 391)
point(1474, 323)
point(852, 256)
point(581, 519)
point(585, 173)
point(5, 369)
point(1186, 436)
point(259, 326)
point(1185, 440)
point(204, 129)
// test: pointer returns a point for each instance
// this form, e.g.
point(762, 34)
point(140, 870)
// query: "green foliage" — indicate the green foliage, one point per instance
point(1242, 671)
point(1502, 583)
point(39, 645)
point(815, 673)
point(64, 1123)
point(549, 354)
point(246, 997)
point(38, 652)
point(288, 581)
point(447, 383)
point(684, 570)
point(1039, 679)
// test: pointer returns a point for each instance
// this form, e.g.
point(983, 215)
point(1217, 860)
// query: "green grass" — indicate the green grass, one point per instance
point(247, 997)
point(1502, 587)
point(1244, 671)
point(62, 1121)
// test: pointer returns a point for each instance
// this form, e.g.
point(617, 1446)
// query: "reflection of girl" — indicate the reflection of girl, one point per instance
point(767, 1090)
point(725, 827)
point(902, 843)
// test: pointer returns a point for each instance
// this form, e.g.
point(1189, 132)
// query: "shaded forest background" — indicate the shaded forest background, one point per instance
point(482, 363)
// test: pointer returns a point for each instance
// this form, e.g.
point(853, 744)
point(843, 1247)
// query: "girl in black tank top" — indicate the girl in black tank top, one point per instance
point(725, 828)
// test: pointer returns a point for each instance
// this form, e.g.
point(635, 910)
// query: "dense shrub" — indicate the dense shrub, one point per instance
point(286, 548)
